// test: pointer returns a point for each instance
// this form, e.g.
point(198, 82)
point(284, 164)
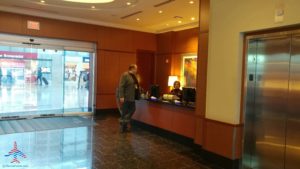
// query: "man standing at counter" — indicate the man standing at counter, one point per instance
point(128, 93)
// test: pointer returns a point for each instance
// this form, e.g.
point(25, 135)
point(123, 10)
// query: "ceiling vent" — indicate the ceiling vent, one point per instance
point(178, 17)
point(163, 3)
point(132, 14)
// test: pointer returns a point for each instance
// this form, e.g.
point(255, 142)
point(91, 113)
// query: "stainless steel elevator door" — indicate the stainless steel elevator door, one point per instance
point(249, 141)
point(293, 119)
point(270, 102)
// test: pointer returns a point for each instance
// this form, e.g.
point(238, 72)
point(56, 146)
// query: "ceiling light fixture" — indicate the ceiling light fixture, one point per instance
point(90, 1)
point(42, 1)
point(128, 3)
point(179, 21)
point(160, 11)
point(192, 18)
point(137, 19)
point(191, 2)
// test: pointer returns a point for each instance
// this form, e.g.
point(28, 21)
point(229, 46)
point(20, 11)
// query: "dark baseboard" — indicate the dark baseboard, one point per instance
point(220, 161)
point(106, 112)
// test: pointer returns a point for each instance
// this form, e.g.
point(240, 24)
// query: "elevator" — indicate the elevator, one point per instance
point(272, 102)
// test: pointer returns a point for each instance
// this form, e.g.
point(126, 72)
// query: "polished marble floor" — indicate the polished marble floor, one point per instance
point(140, 149)
point(98, 146)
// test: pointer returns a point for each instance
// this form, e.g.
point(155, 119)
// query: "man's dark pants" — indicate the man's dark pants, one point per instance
point(128, 108)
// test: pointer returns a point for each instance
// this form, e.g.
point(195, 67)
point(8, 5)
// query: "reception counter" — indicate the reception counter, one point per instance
point(177, 119)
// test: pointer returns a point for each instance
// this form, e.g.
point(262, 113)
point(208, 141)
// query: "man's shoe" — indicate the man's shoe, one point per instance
point(123, 128)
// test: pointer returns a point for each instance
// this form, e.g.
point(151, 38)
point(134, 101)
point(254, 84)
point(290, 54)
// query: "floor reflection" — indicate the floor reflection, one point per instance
point(98, 146)
point(32, 99)
point(68, 148)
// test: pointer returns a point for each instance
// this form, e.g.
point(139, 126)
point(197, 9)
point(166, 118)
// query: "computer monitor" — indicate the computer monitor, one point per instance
point(154, 91)
point(188, 94)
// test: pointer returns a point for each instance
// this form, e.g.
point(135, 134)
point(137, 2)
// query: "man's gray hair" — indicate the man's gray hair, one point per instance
point(132, 66)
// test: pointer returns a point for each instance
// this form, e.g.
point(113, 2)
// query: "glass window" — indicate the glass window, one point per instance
point(44, 81)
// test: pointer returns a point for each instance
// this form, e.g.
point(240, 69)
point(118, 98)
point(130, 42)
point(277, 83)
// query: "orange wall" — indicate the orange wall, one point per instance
point(116, 48)
point(171, 46)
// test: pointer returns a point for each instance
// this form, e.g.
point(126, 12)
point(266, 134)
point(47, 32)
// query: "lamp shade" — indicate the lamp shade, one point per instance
point(171, 80)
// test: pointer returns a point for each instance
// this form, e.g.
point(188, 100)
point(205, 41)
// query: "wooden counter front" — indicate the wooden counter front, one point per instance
point(176, 119)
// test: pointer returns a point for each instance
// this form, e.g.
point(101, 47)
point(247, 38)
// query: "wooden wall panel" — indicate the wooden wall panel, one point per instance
point(103, 38)
point(146, 66)
point(239, 142)
point(199, 130)
point(220, 138)
point(110, 67)
point(108, 72)
point(120, 40)
point(106, 101)
point(125, 59)
point(203, 45)
point(163, 70)
point(204, 15)
point(164, 43)
point(10, 23)
point(202, 74)
point(171, 118)
point(176, 65)
point(186, 41)
point(153, 114)
point(144, 41)
point(184, 123)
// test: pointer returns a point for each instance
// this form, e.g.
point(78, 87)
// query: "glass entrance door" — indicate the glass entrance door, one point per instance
point(31, 81)
point(77, 81)
point(45, 80)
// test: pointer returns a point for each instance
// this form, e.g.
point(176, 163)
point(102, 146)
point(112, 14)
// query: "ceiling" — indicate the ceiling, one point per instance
point(141, 15)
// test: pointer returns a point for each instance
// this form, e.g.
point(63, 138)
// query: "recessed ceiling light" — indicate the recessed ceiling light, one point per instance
point(137, 19)
point(93, 7)
point(90, 1)
point(179, 21)
point(191, 2)
point(160, 11)
point(42, 1)
point(128, 3)
point(192, 18)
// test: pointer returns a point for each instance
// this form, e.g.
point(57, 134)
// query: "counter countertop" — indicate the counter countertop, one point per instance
point(190, 106)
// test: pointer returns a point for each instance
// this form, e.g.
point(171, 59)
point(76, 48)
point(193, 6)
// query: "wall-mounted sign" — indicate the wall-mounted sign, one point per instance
point(33, 25)
point(18, 55)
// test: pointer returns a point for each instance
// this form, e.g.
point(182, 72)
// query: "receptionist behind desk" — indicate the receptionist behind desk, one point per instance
point(176, 90)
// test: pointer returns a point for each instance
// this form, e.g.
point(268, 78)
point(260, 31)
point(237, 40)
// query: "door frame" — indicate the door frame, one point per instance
point(247, 36)
point(55, 44)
